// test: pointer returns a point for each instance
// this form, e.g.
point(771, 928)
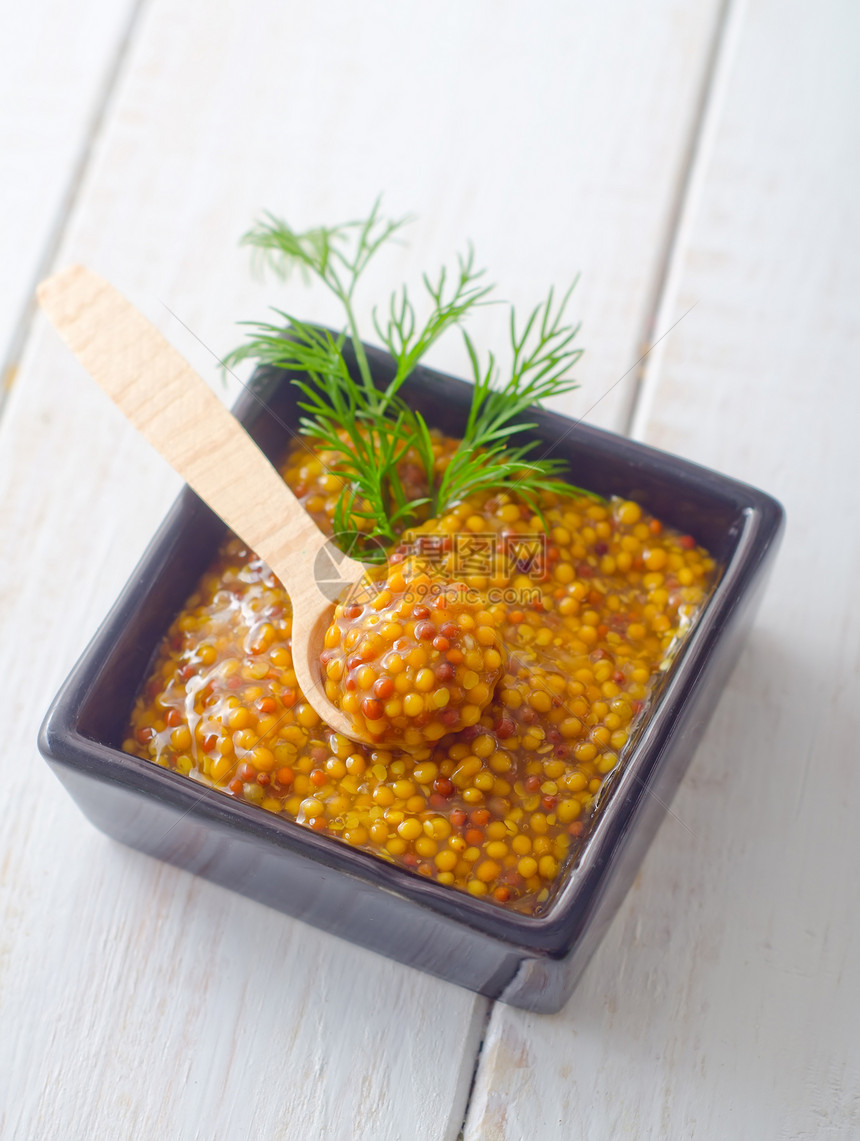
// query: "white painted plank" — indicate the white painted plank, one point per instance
point(56, 61)
point(155, 1004)
point(136, 1000)
point(554, 141)
point(725, 1000)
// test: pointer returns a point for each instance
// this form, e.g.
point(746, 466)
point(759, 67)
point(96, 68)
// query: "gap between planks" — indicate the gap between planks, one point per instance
point(491, 1004)
point(657, 322)
point(21, 329)
point(660, 321)
point(661, 318)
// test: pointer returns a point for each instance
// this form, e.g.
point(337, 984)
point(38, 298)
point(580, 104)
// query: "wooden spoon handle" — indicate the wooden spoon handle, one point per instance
point(176, 411)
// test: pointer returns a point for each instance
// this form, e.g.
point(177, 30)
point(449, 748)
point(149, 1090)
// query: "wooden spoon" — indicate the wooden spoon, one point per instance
point(177, 412)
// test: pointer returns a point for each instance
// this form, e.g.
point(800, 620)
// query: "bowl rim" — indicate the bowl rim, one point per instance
point(760, 519)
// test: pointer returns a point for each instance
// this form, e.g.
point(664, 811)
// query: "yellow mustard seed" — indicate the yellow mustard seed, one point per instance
point(512, 734)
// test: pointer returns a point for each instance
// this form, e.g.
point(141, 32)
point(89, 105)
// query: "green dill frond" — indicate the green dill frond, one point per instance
point(371, 430)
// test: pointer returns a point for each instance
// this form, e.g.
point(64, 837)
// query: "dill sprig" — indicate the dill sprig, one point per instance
point(372, 430)
point(485, 457)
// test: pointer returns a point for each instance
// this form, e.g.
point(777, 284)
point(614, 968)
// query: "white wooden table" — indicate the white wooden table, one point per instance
point(682, 153)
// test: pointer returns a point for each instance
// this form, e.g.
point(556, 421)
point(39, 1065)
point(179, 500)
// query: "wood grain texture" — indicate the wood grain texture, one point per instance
point(554, 142)
point(56, 63)
point(135, 1000)
point(726, 998)
point(181, 417)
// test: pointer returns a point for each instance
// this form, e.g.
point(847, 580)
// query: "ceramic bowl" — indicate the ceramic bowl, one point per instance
point(531, 962)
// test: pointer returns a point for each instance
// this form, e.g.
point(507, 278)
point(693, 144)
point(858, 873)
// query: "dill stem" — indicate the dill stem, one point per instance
point(358, 349)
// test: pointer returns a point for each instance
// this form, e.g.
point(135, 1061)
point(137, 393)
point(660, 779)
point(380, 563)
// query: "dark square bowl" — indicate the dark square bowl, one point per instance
point(532, 962)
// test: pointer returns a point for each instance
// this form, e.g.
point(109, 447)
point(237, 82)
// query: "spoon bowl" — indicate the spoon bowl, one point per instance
point(176, 411)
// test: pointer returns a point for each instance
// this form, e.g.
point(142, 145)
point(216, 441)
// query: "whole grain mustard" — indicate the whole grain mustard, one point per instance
point(514, 655)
